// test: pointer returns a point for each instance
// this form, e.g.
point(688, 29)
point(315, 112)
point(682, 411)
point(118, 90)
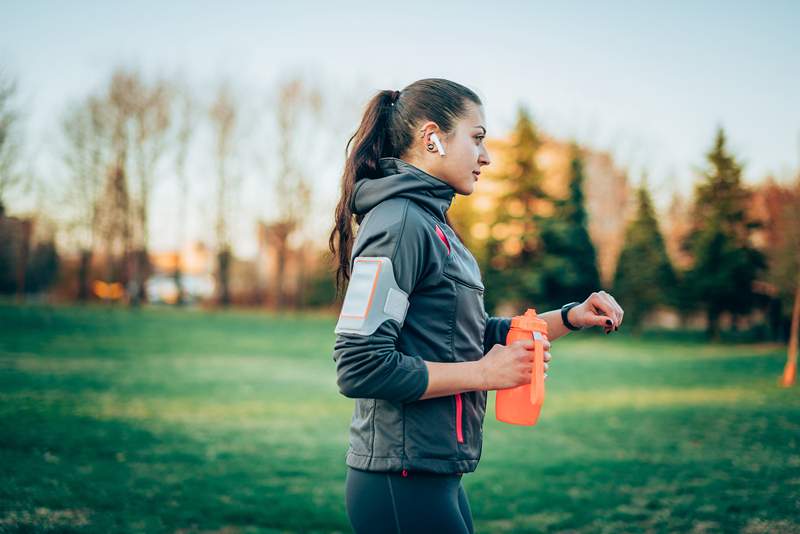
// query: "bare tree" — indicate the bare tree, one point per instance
point(85, 155)
point(136, 120)
point(185, 118)
point(791, 264)
point(116, 215)
point(151, 121)
point(9, 139)
point(296, 100)
point(223, 114)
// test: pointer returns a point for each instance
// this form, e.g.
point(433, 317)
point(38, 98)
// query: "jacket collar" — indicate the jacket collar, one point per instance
point(402, 179)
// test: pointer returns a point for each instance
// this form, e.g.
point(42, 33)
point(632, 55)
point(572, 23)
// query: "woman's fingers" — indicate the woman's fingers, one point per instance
point(619, 308)
point(607, 309)
point(604, 304)
point(615, 307)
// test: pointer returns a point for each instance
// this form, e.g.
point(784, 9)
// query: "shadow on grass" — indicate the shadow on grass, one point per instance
point(78, 474)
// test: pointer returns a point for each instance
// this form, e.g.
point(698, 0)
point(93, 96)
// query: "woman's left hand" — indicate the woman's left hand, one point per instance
point(599, 309)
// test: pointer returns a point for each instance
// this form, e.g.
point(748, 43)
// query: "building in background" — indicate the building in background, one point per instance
point(196, 262)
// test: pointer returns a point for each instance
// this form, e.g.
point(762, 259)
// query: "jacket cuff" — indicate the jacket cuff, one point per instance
point(423, 378)
point(496, 332)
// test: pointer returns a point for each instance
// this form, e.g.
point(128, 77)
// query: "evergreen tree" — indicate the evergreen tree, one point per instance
point(513, 246)
point(725, 264)
point(568, 266)
point(644, 277)
point(42, 268)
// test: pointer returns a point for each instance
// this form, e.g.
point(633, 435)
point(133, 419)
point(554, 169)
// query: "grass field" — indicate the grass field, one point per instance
point(187, 421)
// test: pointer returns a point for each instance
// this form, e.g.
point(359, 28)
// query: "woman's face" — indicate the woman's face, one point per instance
point(465, 152)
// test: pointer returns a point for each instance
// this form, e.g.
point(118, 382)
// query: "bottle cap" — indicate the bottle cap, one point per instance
point(529, 321)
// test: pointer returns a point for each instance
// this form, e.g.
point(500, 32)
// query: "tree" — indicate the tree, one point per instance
point(644, 277)
point(186, 124)
point(724, 263)
point(150, 123)
point(513, 246)
point(42, 268)
point(568, 265)
point(223, 115)
point(783, 256)
point(299, 109)
point(85, 155)
point(9, 140)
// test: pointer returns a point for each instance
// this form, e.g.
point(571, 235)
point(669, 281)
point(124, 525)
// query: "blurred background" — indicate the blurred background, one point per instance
point(168, 176)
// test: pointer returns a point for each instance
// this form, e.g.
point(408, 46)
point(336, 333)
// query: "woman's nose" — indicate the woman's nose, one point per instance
point(483, 158)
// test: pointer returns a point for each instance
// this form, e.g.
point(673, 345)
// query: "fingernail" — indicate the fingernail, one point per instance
point(608, 322)
point(608, 332)
point(616, 328)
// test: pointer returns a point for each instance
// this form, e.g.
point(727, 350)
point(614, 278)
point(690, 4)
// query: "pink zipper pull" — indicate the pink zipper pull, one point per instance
point(405, 473)
point(441, 235)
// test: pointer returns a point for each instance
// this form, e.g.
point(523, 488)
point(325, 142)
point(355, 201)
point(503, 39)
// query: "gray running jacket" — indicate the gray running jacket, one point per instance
point(445, 321)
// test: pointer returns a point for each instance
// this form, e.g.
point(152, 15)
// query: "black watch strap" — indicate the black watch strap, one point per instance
point(564, 311)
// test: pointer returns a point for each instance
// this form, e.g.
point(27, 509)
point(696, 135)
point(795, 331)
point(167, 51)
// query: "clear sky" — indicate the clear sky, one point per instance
point(648, 82)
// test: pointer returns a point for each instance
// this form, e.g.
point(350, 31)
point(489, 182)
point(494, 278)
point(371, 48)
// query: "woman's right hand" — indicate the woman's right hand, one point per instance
point(508, 366)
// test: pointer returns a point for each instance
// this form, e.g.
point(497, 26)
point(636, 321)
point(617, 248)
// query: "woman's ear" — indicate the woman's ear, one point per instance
point(432, 136)
point(429, 128)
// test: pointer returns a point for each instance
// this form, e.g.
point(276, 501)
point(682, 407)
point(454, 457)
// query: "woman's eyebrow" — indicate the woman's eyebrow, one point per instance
point(479, 126)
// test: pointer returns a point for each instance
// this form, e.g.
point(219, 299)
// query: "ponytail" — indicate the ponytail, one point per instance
point(368, 146)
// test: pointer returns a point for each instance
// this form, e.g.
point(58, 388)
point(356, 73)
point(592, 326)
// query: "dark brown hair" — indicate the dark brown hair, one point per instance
point(388, 130)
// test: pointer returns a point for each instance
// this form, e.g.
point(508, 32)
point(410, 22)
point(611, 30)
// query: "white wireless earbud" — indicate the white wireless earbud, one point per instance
point(435, 139)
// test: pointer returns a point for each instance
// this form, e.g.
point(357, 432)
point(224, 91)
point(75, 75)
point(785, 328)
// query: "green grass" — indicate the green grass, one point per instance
point(184, 421)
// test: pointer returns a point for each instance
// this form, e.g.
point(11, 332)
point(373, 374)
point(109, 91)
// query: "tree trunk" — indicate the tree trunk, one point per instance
point(22, 259)
point(224, 257)
point(84, 269)
point(177, 275)
point(712, 328)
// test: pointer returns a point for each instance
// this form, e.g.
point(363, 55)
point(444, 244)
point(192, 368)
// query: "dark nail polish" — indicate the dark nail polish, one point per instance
point(608, 322)
point(608, 332)
point(616, 328)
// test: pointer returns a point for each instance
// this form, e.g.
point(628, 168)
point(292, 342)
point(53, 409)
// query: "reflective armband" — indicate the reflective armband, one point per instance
point(372, 297)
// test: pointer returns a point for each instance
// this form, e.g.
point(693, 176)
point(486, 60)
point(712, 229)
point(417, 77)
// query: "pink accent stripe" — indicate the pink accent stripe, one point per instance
point(459, 435)
point(443, 238)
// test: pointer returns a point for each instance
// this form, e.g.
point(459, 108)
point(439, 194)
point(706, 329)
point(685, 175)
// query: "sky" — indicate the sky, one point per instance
point(648, 82)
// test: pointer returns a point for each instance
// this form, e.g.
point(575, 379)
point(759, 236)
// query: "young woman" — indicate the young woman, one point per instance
point(414, 346)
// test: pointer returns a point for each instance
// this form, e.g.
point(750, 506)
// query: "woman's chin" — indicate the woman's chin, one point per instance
point(466, 189)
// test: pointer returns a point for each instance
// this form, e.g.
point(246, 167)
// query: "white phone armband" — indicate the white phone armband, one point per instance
point(372, 297)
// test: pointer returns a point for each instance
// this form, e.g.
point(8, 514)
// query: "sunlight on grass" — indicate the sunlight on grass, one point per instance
point(235, 421)
point(634, 397)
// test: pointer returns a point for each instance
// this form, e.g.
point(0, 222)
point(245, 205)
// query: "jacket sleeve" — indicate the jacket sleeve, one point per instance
point(496, 331)
point(370, 366)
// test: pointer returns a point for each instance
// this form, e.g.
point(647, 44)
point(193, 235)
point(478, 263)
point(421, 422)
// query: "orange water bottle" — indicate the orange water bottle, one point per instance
point(521, 405)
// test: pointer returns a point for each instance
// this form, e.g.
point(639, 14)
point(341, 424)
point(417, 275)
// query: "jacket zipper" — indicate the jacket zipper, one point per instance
point(459, 410)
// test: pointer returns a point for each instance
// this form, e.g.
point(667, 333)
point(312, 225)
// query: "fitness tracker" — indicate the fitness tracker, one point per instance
point(564, 311)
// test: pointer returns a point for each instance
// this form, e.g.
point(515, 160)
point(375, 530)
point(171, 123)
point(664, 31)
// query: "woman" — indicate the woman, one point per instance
point(415, 347)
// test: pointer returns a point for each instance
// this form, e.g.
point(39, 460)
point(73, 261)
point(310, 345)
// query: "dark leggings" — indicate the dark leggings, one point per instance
point(379, 501)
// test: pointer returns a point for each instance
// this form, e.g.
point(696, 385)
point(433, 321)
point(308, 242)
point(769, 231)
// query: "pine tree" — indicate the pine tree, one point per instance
point(725, 264)
point(513, 246)
point(568, 266)
point(644, 277)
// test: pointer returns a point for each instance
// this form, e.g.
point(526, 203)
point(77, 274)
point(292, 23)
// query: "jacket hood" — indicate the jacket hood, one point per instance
point(401, 179)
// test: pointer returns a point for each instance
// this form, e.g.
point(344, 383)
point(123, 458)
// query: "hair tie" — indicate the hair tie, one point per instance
point(395, 96)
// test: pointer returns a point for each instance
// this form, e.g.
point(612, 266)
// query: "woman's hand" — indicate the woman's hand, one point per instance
point(508, 366)
point(599, 309)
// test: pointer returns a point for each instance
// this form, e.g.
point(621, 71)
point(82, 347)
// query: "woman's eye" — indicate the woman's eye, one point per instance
point(480, 137)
